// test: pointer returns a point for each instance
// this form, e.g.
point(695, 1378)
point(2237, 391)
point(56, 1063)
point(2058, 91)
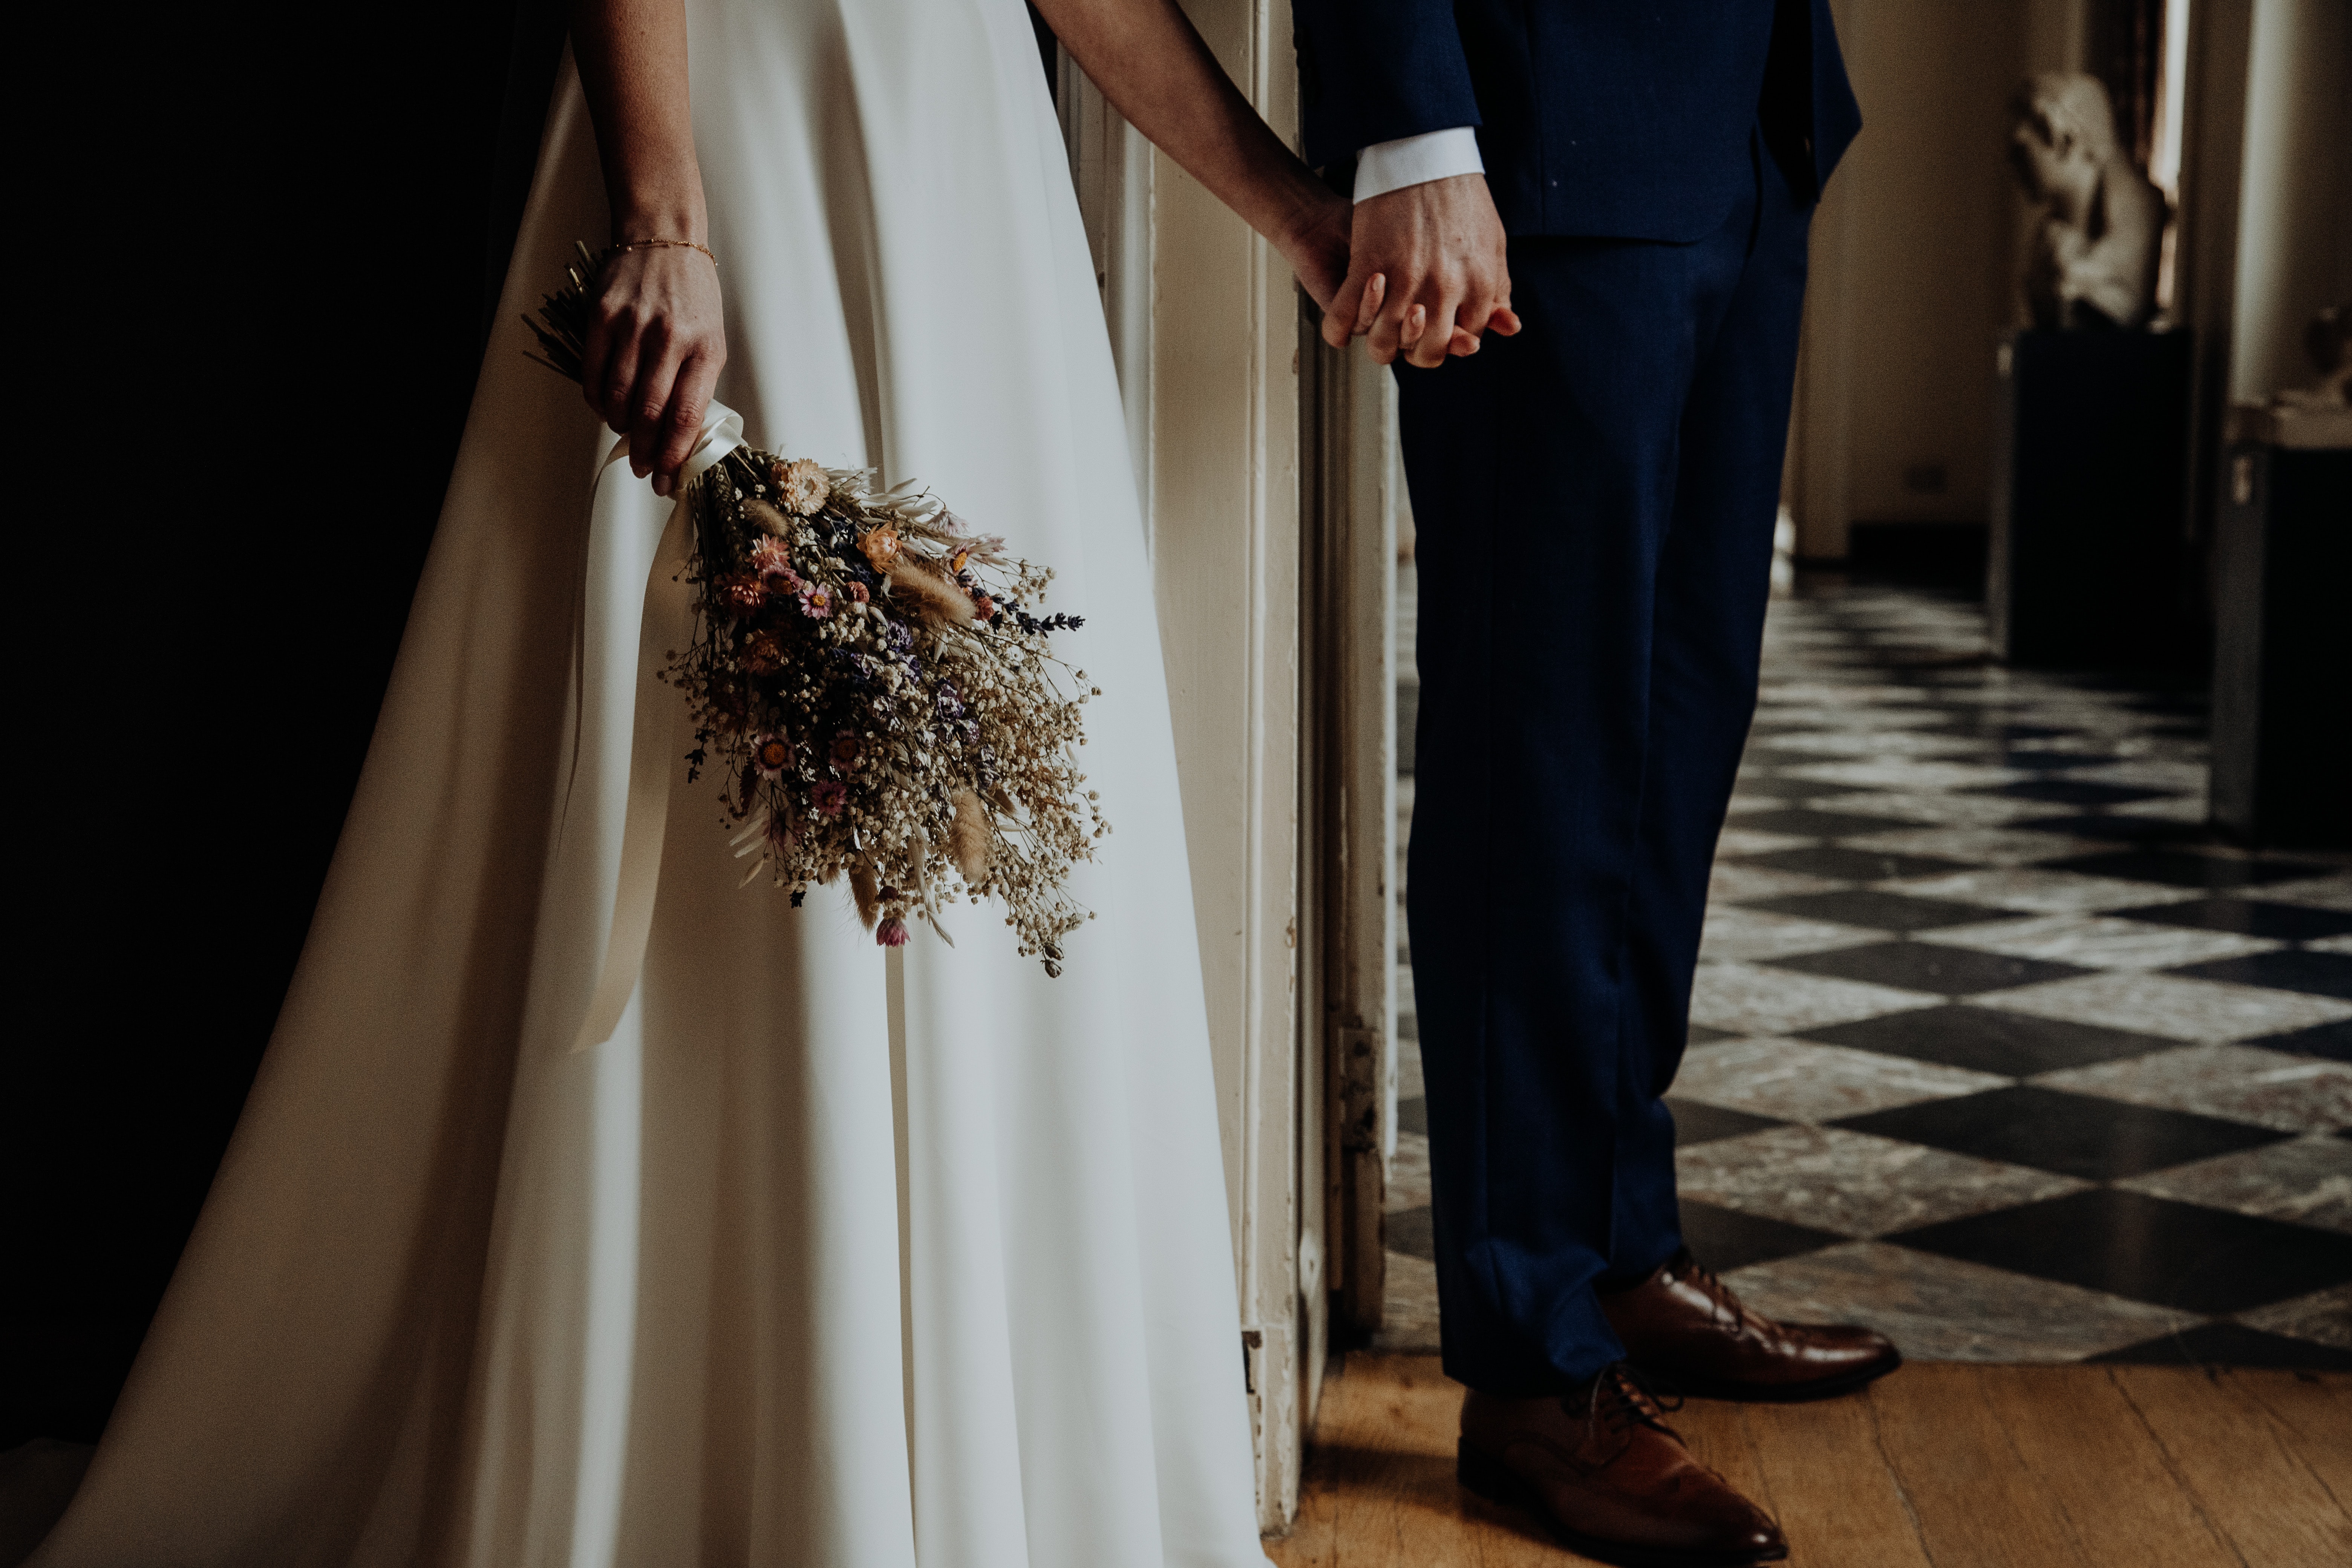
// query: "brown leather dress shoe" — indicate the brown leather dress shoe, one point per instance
point(1611, 1478)
point(1684, 1328)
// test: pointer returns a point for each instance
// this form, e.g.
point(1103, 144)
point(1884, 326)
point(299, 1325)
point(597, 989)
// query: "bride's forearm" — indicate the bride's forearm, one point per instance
point(656, 335)
point(632, 60)
point(1154, 68)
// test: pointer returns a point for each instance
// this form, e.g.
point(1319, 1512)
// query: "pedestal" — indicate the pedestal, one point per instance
point(2086, 565)
point(2282, 639)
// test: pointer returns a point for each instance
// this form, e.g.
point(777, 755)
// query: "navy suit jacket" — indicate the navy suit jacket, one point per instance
point(1624, 117)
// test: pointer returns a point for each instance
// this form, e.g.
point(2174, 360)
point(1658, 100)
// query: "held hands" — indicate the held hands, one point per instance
point(656, 340)
point(1314, 242)
point(1426, 274)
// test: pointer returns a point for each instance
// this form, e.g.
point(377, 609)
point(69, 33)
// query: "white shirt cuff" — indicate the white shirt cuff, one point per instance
point(1386, 166)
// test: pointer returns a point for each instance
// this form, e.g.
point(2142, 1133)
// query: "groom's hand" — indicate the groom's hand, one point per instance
point(1427, 275)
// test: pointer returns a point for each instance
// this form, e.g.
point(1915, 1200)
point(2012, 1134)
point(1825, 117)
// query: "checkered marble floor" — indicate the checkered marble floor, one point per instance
point(1993, 1047)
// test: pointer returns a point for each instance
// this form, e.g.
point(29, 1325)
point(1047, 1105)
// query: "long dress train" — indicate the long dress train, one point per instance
point(829, 1255)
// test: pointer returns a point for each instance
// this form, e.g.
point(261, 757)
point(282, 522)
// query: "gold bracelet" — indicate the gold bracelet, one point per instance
point(659, 245)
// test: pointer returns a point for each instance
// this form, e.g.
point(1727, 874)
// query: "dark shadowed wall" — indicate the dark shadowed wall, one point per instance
point(249, 335)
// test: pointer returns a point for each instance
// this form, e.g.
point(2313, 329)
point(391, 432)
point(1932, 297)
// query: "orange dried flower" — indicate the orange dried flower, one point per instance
point(763, 653)
point(741, 594)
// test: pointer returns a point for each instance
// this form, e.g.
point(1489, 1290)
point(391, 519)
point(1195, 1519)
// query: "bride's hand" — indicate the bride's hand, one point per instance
point(656, 341)
point(1315, 243)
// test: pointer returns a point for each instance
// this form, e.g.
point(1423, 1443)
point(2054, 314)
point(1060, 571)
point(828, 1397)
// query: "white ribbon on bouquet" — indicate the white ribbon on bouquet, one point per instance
point(667, 618)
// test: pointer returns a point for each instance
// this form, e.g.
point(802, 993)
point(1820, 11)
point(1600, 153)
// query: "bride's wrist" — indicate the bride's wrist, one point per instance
point(678, 217)
point(1315, 213)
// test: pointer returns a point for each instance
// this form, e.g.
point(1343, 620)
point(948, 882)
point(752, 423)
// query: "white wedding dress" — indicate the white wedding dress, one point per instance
point(827, 1257)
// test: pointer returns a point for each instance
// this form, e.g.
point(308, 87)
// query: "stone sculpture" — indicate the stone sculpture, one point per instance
point(2328, 340)
point(2101, 227)
point(2306, 419)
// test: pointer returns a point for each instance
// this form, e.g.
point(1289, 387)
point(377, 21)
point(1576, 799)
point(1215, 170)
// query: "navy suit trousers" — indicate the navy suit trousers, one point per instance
point(1594, 502)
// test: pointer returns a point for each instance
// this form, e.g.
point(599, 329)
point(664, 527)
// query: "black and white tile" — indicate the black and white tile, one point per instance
point(1993, 1046)
point(2114, 1051)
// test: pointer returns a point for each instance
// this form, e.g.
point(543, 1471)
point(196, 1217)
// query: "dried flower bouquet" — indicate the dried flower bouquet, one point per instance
point(867, 679)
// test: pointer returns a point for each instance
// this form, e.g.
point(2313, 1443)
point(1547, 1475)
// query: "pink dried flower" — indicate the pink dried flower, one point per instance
point(845, 750)
point(984, 607)
point(891, 932)
point(830, 797)
point(816, 601)
point(771, 756)
point(773, 563)
point(858, 591)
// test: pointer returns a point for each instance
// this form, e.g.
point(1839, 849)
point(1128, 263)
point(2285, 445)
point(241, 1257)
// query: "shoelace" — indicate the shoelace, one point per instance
point(1724, 1303)
point(1623, 1399)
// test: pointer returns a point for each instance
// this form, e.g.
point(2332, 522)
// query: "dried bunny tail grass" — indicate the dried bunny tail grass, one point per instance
point(924, 590)
point(866, 889)
point(767, 519)
point(968, 839)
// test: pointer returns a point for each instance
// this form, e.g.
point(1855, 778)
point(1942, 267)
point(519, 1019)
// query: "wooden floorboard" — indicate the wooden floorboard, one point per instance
point(1831, 1488)
point(2101, 1466)
point(2318, 1425)
point(1937, 1467)
point(2253, 1475)
point(1976, 1500)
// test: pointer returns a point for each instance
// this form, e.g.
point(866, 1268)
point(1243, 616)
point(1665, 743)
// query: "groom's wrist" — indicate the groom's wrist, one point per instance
point(1386, 166)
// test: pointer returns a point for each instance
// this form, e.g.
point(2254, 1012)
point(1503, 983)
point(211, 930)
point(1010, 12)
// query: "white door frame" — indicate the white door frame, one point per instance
point(1354, 499)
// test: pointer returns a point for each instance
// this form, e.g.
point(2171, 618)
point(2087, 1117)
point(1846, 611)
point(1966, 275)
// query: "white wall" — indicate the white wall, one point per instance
point(2295, 217)
point(1914, 260)
point(1916, 248)
point(2057, 35)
